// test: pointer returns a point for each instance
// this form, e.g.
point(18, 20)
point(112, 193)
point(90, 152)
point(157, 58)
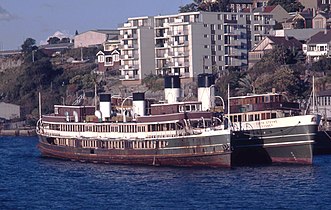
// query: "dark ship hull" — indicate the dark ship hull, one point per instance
point(208, 151)
point(291, 144)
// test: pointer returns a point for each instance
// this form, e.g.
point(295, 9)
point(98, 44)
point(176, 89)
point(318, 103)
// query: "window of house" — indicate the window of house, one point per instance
point(116, 57)
point(109, 59)
point(212, 26)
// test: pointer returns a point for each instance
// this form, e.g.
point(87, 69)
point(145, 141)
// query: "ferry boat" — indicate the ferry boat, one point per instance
point(269, 129)
point(163, 134)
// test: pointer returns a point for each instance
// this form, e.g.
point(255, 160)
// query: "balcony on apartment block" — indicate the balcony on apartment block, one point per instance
point(128, 36)
point(129, 57)
point(178, 54)
point(179, 44)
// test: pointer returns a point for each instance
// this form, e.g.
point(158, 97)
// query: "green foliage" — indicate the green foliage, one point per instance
point(153, 82)
point(245, 85)
point(277, 57)
point(56, 40)
point(65, 40)
point(53, 40)
point(29, 45)
point(231, 78)
point(200, 5)
point(188, 8)
point(288, 5)
point(322, 65)
point(85, 81)
point(88, 52)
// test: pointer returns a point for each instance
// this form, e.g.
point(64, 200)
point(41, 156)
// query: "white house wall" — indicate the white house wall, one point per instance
point(9, 111)
point(90, 38)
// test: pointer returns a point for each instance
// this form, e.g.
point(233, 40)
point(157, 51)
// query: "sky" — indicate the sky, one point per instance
point(40, 19)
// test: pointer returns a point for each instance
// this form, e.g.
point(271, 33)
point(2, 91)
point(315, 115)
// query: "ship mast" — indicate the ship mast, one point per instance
point(228, 99)
point(313, 94)
point(39, 100)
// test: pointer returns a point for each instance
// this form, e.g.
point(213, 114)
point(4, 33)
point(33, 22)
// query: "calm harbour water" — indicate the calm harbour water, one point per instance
point(29, 181)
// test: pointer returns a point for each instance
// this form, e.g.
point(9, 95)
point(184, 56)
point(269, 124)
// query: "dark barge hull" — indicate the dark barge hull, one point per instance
point(217, 157)
point(277, 145)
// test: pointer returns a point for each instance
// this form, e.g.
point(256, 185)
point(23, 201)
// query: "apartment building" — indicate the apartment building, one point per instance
point(316, 4)
point(260, 3)
point(137, 47)
point(188, 44)
point(264, 19)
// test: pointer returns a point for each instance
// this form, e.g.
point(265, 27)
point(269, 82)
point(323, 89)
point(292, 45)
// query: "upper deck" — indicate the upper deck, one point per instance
point(261, 102)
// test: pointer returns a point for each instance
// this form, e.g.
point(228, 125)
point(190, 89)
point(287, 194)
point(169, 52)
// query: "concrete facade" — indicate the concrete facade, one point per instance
point(188, 44)
point(137, 48)
point(185, 44)
point(262, 23)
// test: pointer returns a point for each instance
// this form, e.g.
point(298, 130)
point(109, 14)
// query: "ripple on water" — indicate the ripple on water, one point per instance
point(29, 181)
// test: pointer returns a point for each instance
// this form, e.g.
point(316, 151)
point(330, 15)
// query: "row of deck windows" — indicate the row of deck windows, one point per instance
point(256, 100)
point(252, 117)
point(148, 144)
point(113, 128)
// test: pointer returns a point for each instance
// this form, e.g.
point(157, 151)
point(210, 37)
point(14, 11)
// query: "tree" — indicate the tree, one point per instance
point(322, 65)
point(288, 5)
point(223, 5)
point(65, 40)
point(210, 6)
point(153, 82)
point(192, 7)
point(53, 40)
point(29, 45)
point(246, 85)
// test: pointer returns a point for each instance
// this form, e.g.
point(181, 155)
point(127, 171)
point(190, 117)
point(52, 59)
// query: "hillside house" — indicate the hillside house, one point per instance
point(268, 44)
point(317, 46)
point(322, 20)
point(300, 20)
